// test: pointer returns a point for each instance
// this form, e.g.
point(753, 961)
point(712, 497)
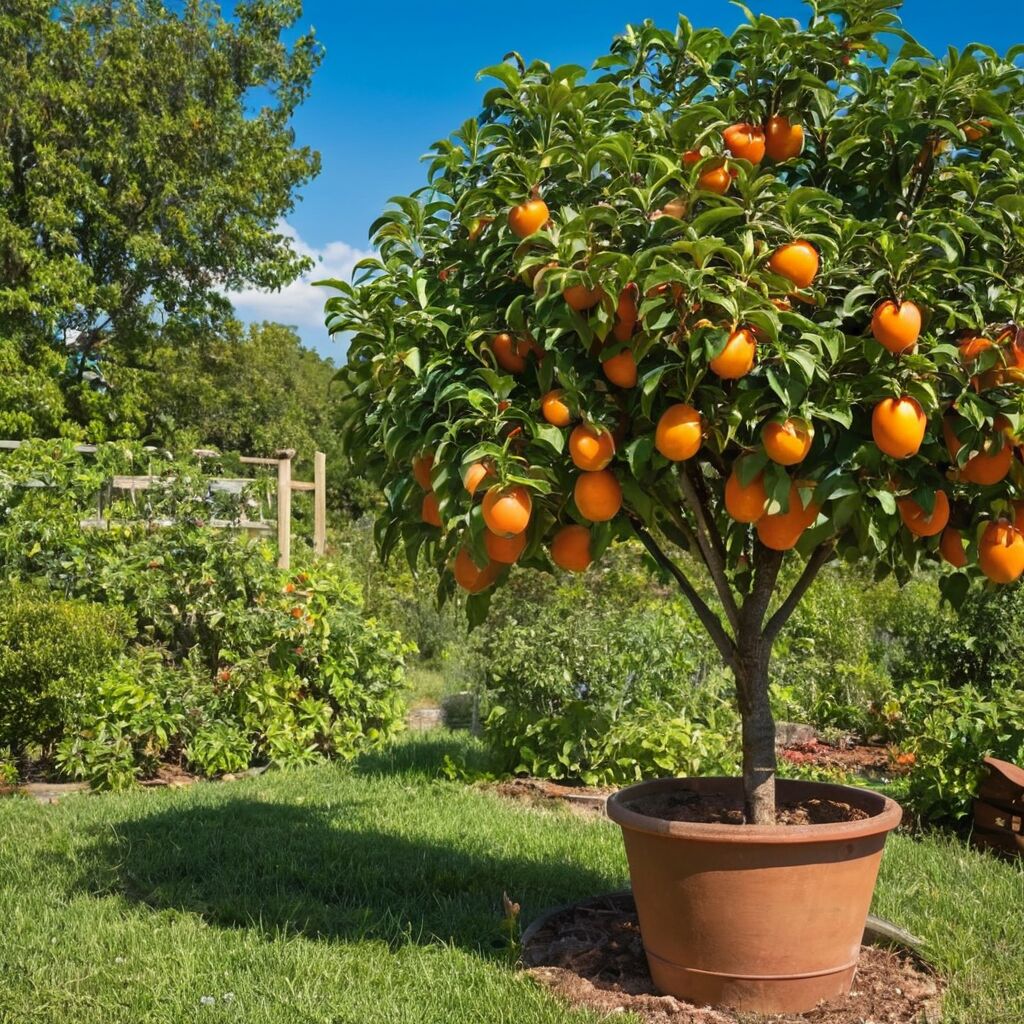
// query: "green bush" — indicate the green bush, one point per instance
point(52, 651)
point(584, 691)
point(949, 730)
point(237, 662)
point(981, 643)
point(126, 724)
point(307, 676)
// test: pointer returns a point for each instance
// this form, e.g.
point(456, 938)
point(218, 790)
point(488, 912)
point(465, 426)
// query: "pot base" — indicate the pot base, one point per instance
point(590, 954)
point(770, 994)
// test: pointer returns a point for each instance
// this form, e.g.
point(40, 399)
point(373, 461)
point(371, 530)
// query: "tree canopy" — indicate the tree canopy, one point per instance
point(146, 160)
point(739, 293)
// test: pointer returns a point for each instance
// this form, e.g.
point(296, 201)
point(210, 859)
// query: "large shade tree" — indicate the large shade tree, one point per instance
point(735, 296)
point(146, 160)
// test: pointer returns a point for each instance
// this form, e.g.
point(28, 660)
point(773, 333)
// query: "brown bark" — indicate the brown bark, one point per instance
point(759, 762)
point(753, 654)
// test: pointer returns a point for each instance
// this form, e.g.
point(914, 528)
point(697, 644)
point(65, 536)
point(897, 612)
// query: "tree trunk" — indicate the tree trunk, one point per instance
point(758, 729)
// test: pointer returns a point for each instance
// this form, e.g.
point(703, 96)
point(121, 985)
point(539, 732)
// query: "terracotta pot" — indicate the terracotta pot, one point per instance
point(761, 918)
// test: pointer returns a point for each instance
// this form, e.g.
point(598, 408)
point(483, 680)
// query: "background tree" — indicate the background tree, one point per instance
point(755, 293)
point(146, 160)
point(251, 390)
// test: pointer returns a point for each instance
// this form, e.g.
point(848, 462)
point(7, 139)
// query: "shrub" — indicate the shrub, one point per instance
point(237, 663)
point(126, 723)
point(979, 644)
point(586, 692)
point(949, 732)
point(52, 651)
point(307, 677)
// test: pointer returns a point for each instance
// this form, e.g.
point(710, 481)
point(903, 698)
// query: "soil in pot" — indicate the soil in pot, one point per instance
point(727, 809)
point(591, 955)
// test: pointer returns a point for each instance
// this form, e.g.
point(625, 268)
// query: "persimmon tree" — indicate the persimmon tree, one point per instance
point(732, 296)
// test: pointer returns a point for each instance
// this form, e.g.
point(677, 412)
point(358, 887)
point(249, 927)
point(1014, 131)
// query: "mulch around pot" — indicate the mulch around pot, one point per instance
point(723, 809)
point(539, 791)
point(591, 956)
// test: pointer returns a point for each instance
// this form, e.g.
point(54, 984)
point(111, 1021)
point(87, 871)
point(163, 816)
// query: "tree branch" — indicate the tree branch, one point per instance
point(710, 621)
point(711, 547)
point(821, 554)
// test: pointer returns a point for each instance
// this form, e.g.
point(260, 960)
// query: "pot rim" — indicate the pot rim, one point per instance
point(887, 816)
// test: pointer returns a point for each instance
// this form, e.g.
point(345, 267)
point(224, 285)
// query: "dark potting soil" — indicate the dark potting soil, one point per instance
point(591, 955)
point(688, 805)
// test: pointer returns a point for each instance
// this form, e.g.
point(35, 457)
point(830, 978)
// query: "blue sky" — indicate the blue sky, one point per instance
point(399, 75)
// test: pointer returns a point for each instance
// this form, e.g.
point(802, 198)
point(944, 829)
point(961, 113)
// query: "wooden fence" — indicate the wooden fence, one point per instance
point(282, 523)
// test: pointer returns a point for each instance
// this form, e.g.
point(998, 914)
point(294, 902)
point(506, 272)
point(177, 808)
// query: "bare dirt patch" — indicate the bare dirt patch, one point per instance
point(541, 791)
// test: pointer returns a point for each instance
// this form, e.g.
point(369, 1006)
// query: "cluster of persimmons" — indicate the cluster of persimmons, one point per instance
point(898, 424)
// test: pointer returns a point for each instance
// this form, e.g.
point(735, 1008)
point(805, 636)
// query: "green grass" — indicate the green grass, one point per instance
point(425, 686)
point(371, 895)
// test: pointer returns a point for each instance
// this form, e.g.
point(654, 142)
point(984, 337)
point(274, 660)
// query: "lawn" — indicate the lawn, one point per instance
point(370, 894)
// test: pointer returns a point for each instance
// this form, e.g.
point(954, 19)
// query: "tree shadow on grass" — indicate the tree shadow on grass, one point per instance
point(284, 868)
point(423, 754)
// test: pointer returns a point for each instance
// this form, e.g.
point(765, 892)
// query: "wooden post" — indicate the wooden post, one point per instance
point(319, 502)
point(284, 511)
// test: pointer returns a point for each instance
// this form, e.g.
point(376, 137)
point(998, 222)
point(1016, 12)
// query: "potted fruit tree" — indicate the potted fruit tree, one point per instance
point(743, 299)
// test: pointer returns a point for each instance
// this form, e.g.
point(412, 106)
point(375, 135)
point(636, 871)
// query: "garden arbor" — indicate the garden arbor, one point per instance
point(748, 297)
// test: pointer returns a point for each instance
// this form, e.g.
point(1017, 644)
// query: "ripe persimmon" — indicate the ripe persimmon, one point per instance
point(746, 503)
point(951, 547)
point(787, 443)
point(797, 261)
point(507, 509)
point(591, 448)
point(737, 358)
point(621, 369)
point(475, 474)
point(976, 130)
point(470, 576)
point(421, 467)
point(625, 314)
point(990, 466)
point(430, 510)
point(554, 409)
point(923, 524)
point(782, 140)
point(598, 495)
point(677, 208)
point(898, 426)
point(715, 179)
point(504, 550)
point(780, 531)
point(971, 348)
point(679, 432)
point(745, 142)
point(581, 298)
point(896, 326)
point(570, 548)
point(986, 467)
point(1001, 552)
point(510, 353)
point(528, 217)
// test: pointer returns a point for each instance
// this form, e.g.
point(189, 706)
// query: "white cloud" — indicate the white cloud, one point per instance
point(299, 304)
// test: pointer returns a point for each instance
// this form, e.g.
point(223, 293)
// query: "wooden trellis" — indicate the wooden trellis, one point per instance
point(282, 523)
